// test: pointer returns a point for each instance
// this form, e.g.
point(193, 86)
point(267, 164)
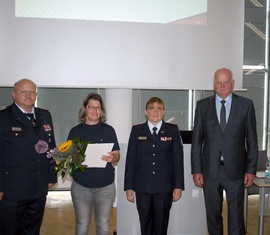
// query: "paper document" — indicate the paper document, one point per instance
point(94, 153)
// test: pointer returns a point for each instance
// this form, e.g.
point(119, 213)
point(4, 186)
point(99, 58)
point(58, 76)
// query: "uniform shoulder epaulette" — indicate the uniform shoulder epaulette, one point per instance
point(173, 124)
point(138, 124)
point(42, 109)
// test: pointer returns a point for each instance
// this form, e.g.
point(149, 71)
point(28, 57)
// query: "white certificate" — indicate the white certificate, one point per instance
point(94, 153)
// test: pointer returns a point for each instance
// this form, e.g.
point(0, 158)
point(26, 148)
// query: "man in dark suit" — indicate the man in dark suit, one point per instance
point(154, 169)
point(224, 152)
point(25, 171)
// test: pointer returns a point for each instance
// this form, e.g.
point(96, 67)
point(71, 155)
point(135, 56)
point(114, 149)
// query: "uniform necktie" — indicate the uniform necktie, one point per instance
point(223, 115)
point(30, 116)
point(154, 133)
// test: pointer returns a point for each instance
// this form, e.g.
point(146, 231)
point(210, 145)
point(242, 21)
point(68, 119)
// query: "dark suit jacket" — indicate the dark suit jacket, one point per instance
point(238, 144)
point(25, 174)
point(154, 167)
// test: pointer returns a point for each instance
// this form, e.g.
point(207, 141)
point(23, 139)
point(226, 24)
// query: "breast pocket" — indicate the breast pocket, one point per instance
point(14, 138)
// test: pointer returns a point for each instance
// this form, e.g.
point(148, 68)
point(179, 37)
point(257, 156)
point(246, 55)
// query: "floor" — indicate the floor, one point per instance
point(59, 216)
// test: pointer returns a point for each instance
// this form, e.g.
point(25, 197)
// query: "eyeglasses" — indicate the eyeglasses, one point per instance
point(92, 108)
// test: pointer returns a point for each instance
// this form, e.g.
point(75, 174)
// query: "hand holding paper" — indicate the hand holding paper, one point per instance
point(96, 154)
point(107, 157)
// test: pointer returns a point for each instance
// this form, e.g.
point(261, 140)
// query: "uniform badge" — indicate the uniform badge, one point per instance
point(47, 127)
point(164, 138)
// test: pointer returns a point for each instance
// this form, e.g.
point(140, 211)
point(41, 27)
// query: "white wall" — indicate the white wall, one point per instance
point(82, 53)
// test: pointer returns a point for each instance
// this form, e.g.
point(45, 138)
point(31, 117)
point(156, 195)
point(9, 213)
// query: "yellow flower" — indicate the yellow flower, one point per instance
point(65, 146)
point(69, 156)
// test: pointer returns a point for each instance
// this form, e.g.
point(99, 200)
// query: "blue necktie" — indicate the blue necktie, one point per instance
point(30, 116)
point(154, 133)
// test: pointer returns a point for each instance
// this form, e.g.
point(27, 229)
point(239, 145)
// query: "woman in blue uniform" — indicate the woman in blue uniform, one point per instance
point(154, 169)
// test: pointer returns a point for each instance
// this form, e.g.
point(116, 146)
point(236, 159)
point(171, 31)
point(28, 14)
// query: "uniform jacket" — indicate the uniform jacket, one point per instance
point(238, 144)
point(154, 166)
point(24, 173)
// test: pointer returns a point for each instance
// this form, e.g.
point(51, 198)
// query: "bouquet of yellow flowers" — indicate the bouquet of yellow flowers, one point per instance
point(69, 156)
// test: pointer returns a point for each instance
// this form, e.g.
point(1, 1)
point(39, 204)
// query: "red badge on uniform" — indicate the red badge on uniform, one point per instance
point(165, 138)
point(47, 127)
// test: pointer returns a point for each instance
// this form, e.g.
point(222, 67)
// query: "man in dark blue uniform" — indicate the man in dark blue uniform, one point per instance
point(154, 169)
point(25, 171)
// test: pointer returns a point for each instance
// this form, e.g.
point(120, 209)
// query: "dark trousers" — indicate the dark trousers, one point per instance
point(23, 217)
point(213, 195)
point(154, 212)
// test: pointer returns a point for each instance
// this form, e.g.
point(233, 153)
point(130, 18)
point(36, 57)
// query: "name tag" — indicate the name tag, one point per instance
point(142, 138)
point(16, 128)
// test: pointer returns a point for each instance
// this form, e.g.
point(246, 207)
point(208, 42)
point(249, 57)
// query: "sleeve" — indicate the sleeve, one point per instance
point(251, 141)
point(75, 132)
point(52, 145)
point(130, 161)
point(196, 143)
point(1, 158)
point(113, 139)
point(71, 134)
point(178, 156)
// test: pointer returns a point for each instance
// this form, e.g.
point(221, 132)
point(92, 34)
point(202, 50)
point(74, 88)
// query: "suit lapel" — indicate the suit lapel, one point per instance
point(213, 110)
point(145, 131)
point(20, 116)
point(233, 112)
point(163, 129)
point(38, 119)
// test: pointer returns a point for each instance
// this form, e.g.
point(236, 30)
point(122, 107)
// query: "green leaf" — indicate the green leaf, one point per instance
point(71, 160)
point(63, 174)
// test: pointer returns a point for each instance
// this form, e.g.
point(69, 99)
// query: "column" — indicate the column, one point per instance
point(119, 116)
point(119, 112)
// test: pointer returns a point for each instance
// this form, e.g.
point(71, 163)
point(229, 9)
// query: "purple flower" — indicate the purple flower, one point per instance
point(49, 155)
point(41, 147)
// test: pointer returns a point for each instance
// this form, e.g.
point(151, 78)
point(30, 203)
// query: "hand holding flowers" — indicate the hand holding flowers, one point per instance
point(69, 156)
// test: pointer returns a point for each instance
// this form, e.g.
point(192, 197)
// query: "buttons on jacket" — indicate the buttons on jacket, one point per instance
point(154, 163)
